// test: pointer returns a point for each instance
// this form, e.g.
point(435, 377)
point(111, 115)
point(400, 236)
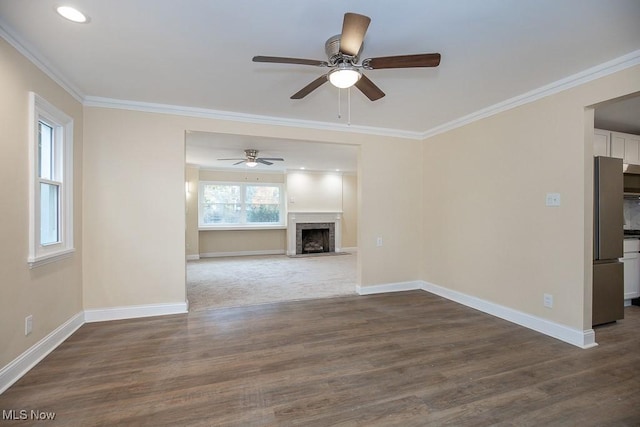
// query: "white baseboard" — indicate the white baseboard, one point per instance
point(30, 358)
point(243, 253)
point(351, 250)
point(389, 287)
point(134, 311)
point(193, 257)
point(580, 338)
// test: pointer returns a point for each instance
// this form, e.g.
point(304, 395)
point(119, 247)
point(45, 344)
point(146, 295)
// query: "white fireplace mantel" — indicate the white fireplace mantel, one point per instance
point(309, 217)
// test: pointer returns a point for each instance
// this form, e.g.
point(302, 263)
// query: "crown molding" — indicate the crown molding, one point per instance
point(94, 101)
point(38, 60)
point(590, 74)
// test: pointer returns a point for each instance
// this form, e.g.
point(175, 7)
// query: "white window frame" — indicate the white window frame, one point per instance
point(243, 225)
point(41, 110)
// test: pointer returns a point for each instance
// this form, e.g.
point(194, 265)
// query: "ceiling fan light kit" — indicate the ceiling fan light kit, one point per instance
point(343, 51)
point(345, 76)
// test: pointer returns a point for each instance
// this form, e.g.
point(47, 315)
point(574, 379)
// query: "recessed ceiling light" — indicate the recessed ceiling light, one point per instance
point(72, 14)
point(302, 168)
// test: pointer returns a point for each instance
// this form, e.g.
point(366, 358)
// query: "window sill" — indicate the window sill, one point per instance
point(49, 258)
point(242, 227)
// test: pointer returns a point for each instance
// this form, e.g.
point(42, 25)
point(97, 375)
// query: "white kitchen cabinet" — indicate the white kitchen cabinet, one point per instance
point(631, 263)
point(623, 146)
point(626, 147)
point(602, 143)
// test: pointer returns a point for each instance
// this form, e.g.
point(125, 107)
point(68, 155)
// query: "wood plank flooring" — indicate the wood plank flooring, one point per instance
point(402, 359)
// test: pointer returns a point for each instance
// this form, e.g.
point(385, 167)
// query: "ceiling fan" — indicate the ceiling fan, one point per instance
point(343, 51)
point(251, 159)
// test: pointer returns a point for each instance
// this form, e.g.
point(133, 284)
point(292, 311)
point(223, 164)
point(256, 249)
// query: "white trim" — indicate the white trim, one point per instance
point(121, 104)
point(42, 110)
point(590, 74)
point(389, 287)
point(13, 371)
point(243, 253)
point(352, 250)
point(193, 257)
point(48, 259)
point(580, 338)
point(134, 311)
point(38, 60)
point(243, 223)
point(241, 228)
point(293, 218)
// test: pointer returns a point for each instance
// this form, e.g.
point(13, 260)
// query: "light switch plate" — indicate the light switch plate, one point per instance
point(553, 199)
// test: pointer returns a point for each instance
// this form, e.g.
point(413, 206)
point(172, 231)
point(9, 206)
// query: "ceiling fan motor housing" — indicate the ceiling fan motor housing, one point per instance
point(332, 49)
point(251, 154)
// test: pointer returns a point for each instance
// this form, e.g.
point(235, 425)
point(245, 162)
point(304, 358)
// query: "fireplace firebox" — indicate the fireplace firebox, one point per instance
point(315, 238)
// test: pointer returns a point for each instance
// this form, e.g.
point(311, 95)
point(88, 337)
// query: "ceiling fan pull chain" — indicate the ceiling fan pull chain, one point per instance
point(339, 102)
point(349, 107)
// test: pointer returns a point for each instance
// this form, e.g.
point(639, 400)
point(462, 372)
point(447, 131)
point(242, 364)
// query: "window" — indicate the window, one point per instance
point(51, 183)
point(240, 205)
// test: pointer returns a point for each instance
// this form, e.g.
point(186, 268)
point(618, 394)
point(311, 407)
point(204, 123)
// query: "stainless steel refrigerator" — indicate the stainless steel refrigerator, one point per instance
point(608, 236)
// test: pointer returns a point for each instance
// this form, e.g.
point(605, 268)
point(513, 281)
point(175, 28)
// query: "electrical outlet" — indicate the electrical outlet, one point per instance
point(28, 324)
point(548, 300)
point(379, 241)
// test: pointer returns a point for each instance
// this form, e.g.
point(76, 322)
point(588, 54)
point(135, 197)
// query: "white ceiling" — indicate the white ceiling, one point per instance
point(197, 53)
point(203, 149)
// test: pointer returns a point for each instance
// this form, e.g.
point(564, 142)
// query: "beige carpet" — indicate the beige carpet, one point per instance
point(249, 280)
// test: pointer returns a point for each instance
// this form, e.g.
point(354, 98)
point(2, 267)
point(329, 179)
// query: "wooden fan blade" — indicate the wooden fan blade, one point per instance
point(264, 162)
point(403, 61)
point(282, 60)
point(273, 159)
point(354, 28)
point(310, 87)
point(369, 89)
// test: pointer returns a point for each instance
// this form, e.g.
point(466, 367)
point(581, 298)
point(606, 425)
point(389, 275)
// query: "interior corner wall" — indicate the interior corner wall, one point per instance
point(486, 230)
point(51, 293)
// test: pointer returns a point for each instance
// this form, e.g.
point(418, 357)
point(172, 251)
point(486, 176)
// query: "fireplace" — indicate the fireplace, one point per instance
point(315, 238)
point(322, 232)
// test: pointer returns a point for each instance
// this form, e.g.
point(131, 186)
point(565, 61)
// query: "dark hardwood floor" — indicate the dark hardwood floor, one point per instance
point(405, 359)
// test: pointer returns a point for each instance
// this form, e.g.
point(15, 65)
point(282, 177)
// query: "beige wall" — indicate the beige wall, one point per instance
point(486, 229)
point(134, 210)
point(52, 293)
point(191, 211)
point(350, 211)
point(236, 242)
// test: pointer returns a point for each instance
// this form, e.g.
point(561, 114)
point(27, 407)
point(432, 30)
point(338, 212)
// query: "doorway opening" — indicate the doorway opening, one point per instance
point(231, 262)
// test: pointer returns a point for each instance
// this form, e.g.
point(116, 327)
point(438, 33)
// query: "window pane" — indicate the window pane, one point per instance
point(263, 213)
point(221, 204)
point(45, 151)
point(263, 203)
point(221, 193)
point(49, 214)
point(221, 213)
